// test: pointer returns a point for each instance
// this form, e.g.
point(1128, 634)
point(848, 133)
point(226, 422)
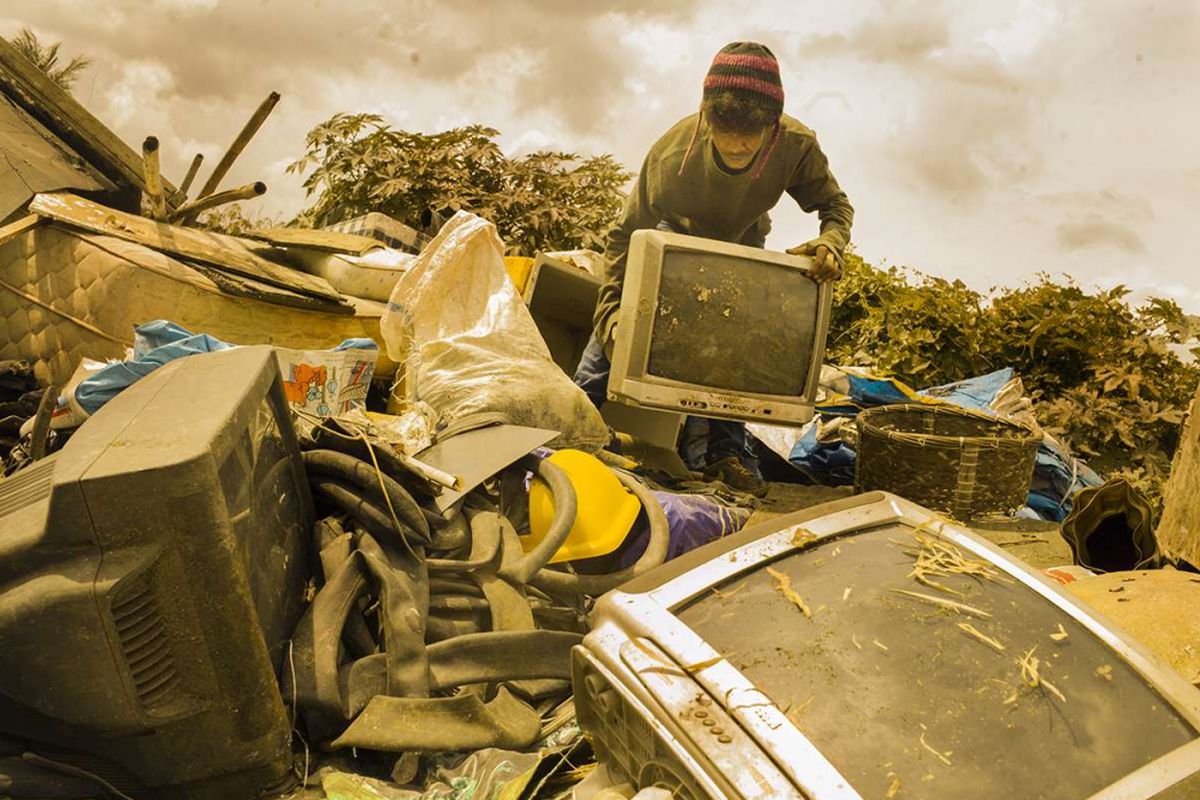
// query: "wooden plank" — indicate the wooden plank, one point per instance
point(64, 116)
point(223, 252)
point(14, 229)
point(1178, 530)
point(325, 241)
point(241, 286)
point(35, 160)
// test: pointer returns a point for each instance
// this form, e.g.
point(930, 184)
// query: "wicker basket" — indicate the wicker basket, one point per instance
point(961, 462)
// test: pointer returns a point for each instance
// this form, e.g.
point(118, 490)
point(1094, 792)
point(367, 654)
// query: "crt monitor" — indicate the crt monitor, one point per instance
point(719, 330)
point(867, 648)
point(151, 574)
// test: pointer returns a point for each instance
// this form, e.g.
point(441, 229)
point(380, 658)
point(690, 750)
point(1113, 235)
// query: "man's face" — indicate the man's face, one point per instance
point(738, 149)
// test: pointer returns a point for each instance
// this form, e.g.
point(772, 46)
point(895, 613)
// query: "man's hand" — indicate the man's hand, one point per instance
point(825, 264)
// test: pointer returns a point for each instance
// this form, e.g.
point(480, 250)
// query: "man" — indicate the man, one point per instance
point(716, 174)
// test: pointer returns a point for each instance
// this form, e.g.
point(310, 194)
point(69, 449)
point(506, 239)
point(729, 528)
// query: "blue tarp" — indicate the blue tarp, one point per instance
point(154, 344)
point(1057, 475)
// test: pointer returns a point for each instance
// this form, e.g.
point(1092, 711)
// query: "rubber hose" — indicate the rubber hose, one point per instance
point(565, 505)
point(388, 462)
point(378, 486)
point(453, 534)
point(454, 586)
point(565, 583)
point(377, 521)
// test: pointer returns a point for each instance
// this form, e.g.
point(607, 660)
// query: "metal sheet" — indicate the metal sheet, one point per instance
point(475, 456)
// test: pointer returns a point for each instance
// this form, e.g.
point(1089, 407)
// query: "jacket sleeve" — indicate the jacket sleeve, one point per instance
point(639, 213)
point(815, 189)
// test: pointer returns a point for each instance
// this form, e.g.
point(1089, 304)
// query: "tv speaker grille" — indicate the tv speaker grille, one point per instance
point(27, 486)
point(143, 638)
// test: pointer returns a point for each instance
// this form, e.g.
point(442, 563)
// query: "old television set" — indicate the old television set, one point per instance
point(809, 658)
point(719, 330)
point(151, 574)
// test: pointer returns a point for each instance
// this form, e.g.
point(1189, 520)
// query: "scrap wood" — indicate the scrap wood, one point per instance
point(1031, 675)
point(803, 537)
point(155, 201)
point(957, 607)
point(943, 757)
point(198, 206)
point(223, 252)
point(784, 587)
point(1059, 635)
point(235, 149)
point(325, 241)
point(894, 788)
point(974, 632)
point(65, 117)
point(181, 194)
point(938, 558)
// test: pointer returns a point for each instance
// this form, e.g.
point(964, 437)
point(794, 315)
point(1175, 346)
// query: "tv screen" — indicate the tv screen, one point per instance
point(720, 330)
point(866, 649)
point(724, 323)
point(151, 573)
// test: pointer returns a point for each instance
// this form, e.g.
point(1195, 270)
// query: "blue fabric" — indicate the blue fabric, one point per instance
point(93, 392)
point(978, 393)
point(693, 519)
point(592, 373)
point(1057, 475)
point(154, 344)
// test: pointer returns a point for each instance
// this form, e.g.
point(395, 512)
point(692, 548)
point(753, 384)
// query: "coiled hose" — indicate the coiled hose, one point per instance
point(365, 494)
point(559, 583)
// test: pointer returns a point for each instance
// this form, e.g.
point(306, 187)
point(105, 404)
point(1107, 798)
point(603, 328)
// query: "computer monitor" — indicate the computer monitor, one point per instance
point(867, 649)
point(151, 574)
point(721, 330)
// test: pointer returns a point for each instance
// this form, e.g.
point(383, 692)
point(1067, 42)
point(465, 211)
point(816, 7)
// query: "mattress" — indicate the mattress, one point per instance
point(66, 294)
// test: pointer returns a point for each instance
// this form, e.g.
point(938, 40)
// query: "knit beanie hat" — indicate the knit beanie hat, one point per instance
point(748, 69)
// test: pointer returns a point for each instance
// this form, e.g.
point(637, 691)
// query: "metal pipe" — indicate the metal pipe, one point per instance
point(235, 149)
point(187, 213)
point(156, 201)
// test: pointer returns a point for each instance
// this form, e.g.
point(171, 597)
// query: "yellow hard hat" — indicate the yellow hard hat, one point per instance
point(605, 511)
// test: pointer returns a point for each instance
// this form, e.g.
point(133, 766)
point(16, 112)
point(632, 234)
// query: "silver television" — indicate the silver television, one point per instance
point(929, 663)
point(719, 330)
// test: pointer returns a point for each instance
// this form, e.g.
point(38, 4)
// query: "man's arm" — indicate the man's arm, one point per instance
point(638, 214)
point(814, 188)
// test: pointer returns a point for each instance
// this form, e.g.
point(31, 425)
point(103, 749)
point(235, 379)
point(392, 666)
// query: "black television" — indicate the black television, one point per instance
point(151, 573)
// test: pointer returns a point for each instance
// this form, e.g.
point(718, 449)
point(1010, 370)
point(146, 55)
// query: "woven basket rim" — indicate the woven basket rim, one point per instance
point(1031, 437)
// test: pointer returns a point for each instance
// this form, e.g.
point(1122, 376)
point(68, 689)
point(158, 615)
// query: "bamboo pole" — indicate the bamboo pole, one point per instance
point(196, 207)
point(155, 200)
point(181, 195)
point(235, 149)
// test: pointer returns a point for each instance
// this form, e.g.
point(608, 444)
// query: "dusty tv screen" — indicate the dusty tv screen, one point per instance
point(732, 324)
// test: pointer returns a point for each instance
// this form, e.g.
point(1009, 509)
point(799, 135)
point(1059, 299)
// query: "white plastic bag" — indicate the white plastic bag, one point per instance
point(477, 347)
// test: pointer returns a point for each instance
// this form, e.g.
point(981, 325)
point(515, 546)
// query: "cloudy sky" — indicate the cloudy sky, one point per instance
point(982, 139)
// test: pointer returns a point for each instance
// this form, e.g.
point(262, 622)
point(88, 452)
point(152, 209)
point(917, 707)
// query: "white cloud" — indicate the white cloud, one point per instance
point(969, 136)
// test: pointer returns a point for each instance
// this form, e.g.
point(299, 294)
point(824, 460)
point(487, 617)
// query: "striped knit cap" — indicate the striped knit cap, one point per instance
point(749, 69)
point(746, 68)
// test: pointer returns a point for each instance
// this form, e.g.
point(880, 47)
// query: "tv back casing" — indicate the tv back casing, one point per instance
point(664, 706)
point(630, 380)
point(151, 573)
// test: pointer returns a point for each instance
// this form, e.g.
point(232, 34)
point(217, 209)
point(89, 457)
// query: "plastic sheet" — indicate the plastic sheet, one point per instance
point(478, 349)
point(320, 381)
